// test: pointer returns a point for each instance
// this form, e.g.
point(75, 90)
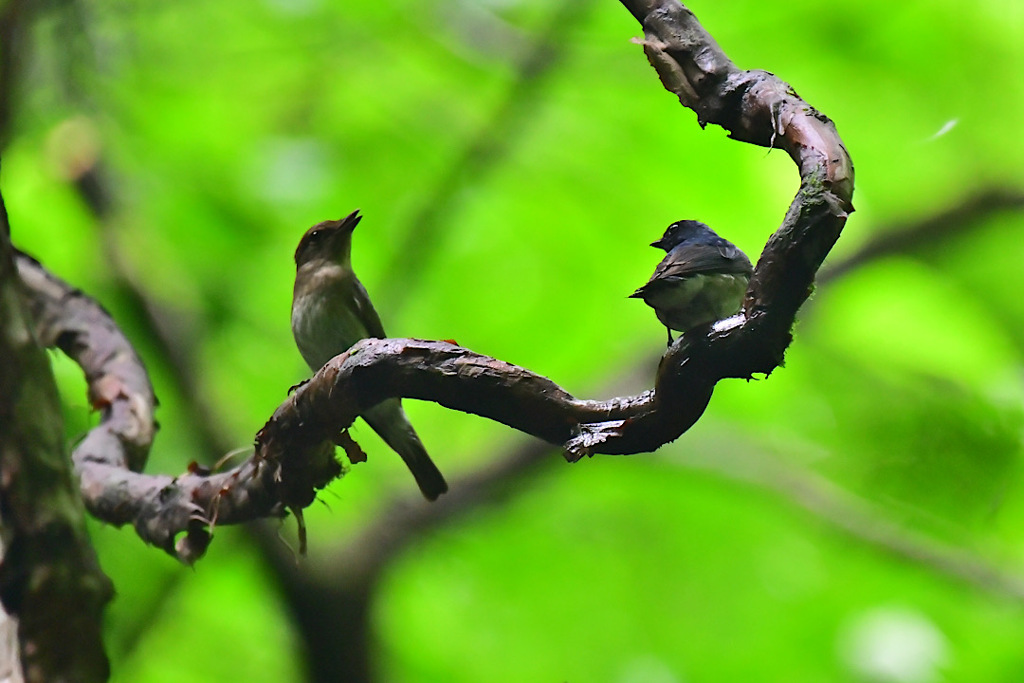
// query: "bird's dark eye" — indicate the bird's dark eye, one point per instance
point(307, 245)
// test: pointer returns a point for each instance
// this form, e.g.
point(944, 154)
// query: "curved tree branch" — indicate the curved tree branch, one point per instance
point(294, 455)
point(754, 106)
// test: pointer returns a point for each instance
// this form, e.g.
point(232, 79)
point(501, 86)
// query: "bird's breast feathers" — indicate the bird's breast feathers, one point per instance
point(325, 322)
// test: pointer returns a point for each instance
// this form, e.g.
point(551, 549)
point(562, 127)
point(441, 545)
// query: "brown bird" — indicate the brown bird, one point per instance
point(331, 311)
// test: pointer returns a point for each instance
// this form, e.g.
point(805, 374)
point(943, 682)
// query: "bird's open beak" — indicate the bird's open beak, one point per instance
point(350, 221)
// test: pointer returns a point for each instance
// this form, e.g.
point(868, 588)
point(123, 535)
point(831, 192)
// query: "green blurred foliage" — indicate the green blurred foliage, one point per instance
point(228, 128)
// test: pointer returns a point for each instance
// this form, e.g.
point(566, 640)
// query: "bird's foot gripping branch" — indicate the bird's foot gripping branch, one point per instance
point(294, 454)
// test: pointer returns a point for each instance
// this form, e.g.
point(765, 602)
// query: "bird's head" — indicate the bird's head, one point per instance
point(327, 241)
point(682, 231)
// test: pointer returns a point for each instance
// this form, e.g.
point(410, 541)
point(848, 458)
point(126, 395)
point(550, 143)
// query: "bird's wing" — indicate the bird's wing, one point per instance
point(367, 313)
point(702, 258)
point(696, 259)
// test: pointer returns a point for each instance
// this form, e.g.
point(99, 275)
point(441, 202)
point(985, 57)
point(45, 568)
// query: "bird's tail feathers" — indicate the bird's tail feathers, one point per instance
point(389, 421)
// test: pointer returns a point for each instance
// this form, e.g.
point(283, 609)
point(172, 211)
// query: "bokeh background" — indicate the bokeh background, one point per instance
point(858, 516)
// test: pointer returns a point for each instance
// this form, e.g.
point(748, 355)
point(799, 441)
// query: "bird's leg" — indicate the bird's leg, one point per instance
point(669, 330)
